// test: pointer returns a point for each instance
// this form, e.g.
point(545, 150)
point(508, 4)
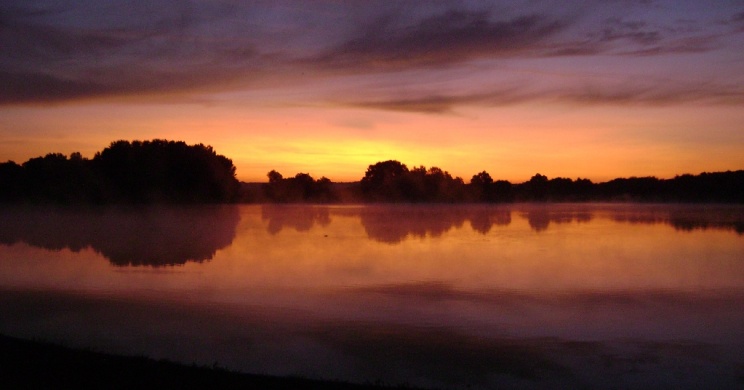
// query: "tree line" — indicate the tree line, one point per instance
point(393, 182)
point(157, 171)
point(161, 171)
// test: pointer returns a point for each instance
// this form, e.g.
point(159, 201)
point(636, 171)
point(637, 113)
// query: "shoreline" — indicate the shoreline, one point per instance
point(33, 364)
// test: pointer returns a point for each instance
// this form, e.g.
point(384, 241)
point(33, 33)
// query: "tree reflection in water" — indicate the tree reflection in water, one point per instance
point(394, 224)
point(298, 217)
point(149, 236)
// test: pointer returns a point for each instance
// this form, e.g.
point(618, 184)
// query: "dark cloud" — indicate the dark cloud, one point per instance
point(52, 59)
point(697, 44)
point(21, 87)
point(56, 53)
point(455, 37)
point(738, 21)
point(27, 40)
point(636, 37)
point(657, 94)
point(450, 37)
point(440, 104)
point(635, 31)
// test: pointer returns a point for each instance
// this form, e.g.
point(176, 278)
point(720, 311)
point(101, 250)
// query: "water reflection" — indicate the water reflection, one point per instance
point(482, 222)
point(298, 217)
point(152, 236)
point(388, 224)
point(393, 224)
point(514, 296)
point(541, 216)
point(684, 217)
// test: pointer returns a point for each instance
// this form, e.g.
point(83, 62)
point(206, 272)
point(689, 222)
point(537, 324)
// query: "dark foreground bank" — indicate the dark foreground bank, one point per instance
point(37, 365)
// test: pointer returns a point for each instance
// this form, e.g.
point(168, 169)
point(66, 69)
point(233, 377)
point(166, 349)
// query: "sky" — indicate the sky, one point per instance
point(592, 89)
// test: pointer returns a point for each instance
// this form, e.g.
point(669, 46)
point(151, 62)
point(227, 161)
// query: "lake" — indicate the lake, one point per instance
point(528, 296)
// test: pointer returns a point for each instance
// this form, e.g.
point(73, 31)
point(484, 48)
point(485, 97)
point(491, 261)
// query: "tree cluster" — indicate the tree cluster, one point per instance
point(725, 187)
point(393, 182)
point(157, 171)
point(300, 188)
point(164, 171)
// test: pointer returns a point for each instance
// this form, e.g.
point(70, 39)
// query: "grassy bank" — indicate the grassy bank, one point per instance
point(28, 364)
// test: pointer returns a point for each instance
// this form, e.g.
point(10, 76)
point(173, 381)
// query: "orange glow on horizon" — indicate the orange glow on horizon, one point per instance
point(307, 90)
point(511, 143)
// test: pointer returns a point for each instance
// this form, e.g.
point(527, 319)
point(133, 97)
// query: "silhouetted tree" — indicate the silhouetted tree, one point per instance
point(536, 189)
point(274, 176)
point(391, 181)
point(167, 171)
point(301, 188)
point(634, 188)
point(503, 191)
point(385, 181)
point(55, 178)
point(440, 186)
point(583, 189)
point(324, 191)
point(139, 171)
point(481, 187)
point(11, 181)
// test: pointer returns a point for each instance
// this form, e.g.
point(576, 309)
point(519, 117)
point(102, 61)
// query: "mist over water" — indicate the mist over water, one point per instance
point(628, 296)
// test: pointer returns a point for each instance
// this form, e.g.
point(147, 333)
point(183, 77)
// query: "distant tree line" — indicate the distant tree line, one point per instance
point(300, 188)
point(125, 172)
point(393, 182)
point(162, 171)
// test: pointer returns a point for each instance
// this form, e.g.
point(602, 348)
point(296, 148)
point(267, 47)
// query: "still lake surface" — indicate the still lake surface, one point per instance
point(609, 295)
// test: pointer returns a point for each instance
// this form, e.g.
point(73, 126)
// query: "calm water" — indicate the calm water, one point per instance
point(625, 296)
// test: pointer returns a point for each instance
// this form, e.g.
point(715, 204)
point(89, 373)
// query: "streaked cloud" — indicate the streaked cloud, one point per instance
point(60, 53)
point(628, 94)
point(57, 55)
point(737, 21)
point(451, 37)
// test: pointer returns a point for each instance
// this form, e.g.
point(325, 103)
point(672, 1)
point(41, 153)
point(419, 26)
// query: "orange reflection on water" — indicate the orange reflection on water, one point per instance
point(597, 254)
point(295, 290)
point(522, 248)
point(291, 253)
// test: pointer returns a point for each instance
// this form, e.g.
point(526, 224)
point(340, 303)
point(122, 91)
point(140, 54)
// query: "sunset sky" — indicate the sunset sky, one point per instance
point(597, 89)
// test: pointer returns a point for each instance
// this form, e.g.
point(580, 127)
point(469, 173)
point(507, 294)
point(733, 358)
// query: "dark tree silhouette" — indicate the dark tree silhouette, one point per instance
point(440, 186)
point(536, 189)
point(301, 188)
point(385, 181)
point(391, 181)
point(503, 191)
point(11, 182)
point(481, 187)
point(55, 178)
point(274, 176)
point(131, 172)
point(167, 171)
